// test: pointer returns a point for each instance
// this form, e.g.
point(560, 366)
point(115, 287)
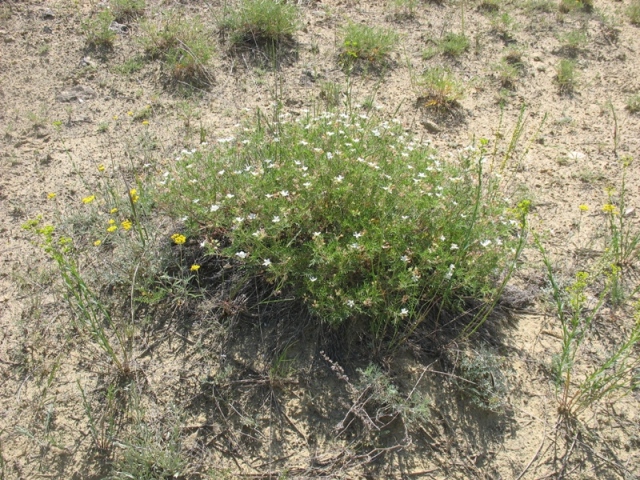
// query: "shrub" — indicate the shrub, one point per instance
point(261, 22)
point(352, 216)
point(633, 103)
point(440, 90)
point(566, 77)
point(633, 11)
point(98, 31)
point(124, 10)
point(369, 44)
point(454, 44)
point(183, 44)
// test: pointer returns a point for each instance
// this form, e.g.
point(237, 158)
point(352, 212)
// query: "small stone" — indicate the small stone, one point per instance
point(79, 93)
point(431, 126)
point(47, 30)
point(47, 14)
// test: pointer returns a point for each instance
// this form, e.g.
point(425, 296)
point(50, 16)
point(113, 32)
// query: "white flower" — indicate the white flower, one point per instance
point(242, 254)
point(230, 195)
point(195, 200)
point(485, 243)
point(405, 259)
point(313, 279)
point(221, 172)
point(351, 303)
point(276, 219)
point(339, 178)
point(306, 184)
point(454, 246)
point(404, 312)
point(238, 219)
point(266, 262)
point(329, 155)
point(214, 208)
point(316, 234)
point(252, 216)
point(355, 246)
point(284, 193)
point(357, 234)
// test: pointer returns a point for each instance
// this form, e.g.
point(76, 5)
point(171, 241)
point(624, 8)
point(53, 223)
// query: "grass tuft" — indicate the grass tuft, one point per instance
point(361, 43)
point(261, 22)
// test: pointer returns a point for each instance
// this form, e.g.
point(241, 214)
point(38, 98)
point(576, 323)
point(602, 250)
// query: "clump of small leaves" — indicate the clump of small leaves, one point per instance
point(503, 25)
point(404, 9)
point(261, 22)
point(351, 215)
point(184, 44)
point(125, 10)
point(440, 90)
point(507, 73)
point(489, 5)
point(98, 30)
point(633, 103)
point(566, 76)
point(481, 380)
point(454, 44)
point(361, 43)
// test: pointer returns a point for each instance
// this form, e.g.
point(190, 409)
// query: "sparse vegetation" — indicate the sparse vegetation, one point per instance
point(633, 12)
point(126, 10)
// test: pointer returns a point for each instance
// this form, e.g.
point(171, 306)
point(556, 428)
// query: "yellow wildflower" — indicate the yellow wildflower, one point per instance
point(112, 228)
point(609, 208)
point(130, 113)
point(88, 199)
point(195, 267)
point(51, 195)
point(133, 194)
point(145, 122)
point(111, 221)
point(126, 224)
point(178, 238)
point(113, 210)
point(115, 117)
point(101, 168)
point(584, 207)
point(97, 243)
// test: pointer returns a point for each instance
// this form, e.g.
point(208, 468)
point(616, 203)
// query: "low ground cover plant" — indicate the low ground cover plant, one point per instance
point(350, 214)
point(439, 90)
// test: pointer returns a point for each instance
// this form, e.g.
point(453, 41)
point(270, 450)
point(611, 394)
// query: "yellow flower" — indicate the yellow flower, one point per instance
point(178, 238)
point(145, 122)
point(88, 199)
point(51, 195)
point(130, 113)
point(111, 221)
point(126, 224)
point(133, 194)
point(101, 168)
point(97, 243)
point(115, 117)
point(584, 207)
point(195, 267)
point(113, 210)
point(609, 208)
point(112, 228)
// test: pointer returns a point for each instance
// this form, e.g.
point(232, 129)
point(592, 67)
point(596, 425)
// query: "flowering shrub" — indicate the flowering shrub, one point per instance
point(352, 214)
